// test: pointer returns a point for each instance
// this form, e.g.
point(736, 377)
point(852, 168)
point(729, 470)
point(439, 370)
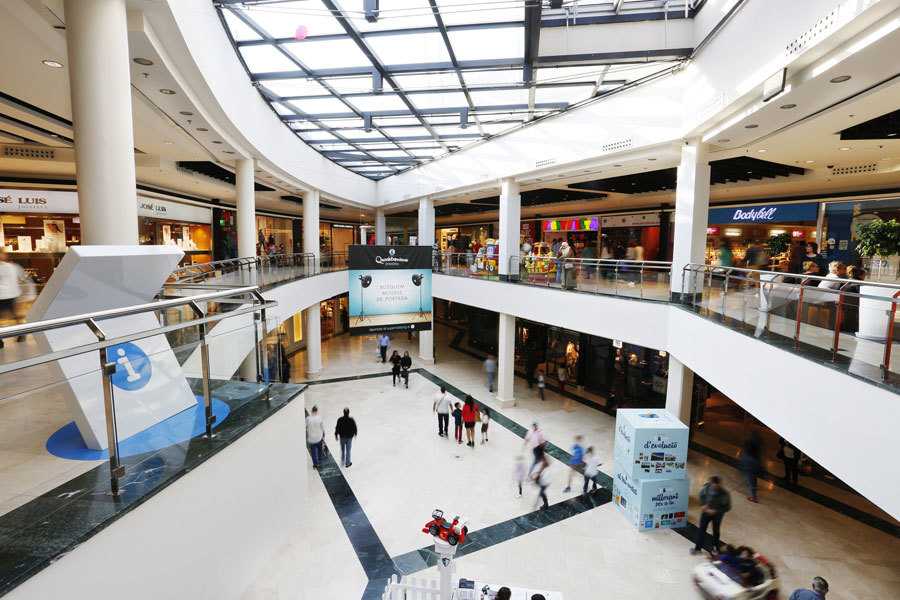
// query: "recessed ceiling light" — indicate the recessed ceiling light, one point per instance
point(186, 113)
point(809, 162)
point(52, 63)
point(844, 148)
point(167, 92)
point(840, 79)
point(886, 158)
point(723, 140)
point(751, 126)
point(651, 159)
point(787, 106)
point(617, 165)
point(229, 152)
point(761, 150)
point(167, 142)
point(202, 129)
point(216, 142)
point(143, 61)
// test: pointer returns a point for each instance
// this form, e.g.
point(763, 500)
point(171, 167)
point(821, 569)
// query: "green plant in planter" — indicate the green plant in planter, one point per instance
point(778, 244)
point(878, 238)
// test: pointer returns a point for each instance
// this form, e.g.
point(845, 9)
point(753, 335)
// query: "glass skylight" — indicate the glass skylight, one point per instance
point(380, 93)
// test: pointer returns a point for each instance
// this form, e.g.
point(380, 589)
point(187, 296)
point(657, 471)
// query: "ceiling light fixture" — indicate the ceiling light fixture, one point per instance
point(840, 79)
point(52, 63)
point(202, 129)
point(724, 140)
point(761, 150)
point(751, 126)
point(167, 92)
point(229, 152)
point(186, 113)
point(787, 106)
point(886, 158)
point(809, 162)
point(844, 148)
point(143, 61)
point(892, 134)
point(167, 142)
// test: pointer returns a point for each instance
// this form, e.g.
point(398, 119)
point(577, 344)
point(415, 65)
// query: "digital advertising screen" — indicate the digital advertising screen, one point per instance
point(390, 289)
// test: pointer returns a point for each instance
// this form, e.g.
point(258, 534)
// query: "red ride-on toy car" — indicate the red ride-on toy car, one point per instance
point(451, 532)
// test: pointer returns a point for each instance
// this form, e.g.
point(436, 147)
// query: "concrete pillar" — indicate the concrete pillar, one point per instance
point(679, 390)
point(691, 215)
point(510, 216)
point(426, 238)
point(380, 227)
point(100, 88)
point(313, 314)
point(506, 360)
point(244, 176)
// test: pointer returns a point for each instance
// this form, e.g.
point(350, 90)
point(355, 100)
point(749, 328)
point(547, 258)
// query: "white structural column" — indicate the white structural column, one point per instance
point(244, 175)
point(380, 227)
point(100, 86)
point(510, 217)
point(426, 238)
point(313, 313)
point(691, 214)
point(679, 390)
point(506, 360)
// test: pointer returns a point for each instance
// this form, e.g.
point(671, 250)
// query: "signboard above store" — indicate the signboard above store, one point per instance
point(642, 220)
point(173, 211)
point(583, 224)
point(56, 202)
point(772, 213)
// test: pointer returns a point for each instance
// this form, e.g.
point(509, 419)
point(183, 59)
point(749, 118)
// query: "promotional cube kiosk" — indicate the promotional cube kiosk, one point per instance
point(650, 486)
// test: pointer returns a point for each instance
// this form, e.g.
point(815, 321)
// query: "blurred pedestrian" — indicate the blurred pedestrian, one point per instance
point(383, 342)
point(715, 501)
point(575, 462)
point(345, 431)
point(485, 421)
point(591, 469)
point(520, 474)
point(541, 384)
point(818, 591)
point(565, 255)
point(490, 367)
point(405, 364)
point(750, 463)
point(535, 440)
point(458, 423)
point(530, 367)
point(441, 406)
point(540, 475)
point(315, 435)
point(791, 458)
point(554, 250)
point(589, 254)
point(10, 276)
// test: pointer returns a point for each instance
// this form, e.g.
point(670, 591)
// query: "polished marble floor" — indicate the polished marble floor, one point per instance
point(402, 469)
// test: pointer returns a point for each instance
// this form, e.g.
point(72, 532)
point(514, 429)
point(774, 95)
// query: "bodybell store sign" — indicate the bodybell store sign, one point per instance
point(777, 213)
point(39, 201)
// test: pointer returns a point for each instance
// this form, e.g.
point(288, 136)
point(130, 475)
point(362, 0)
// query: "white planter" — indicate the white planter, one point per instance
point(874, 315)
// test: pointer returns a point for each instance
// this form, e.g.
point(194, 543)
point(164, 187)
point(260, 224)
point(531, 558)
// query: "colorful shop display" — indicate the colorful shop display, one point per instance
point(486, 259)
point(540, 259)
point(650, 486)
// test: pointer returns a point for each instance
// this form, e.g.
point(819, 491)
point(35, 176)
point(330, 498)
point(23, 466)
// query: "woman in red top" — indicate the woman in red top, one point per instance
point(469, 416)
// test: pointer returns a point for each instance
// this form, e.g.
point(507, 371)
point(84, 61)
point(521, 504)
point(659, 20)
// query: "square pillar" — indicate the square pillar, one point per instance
point(311, 228)
point(506, 360)
point(510, 217)
point(313, 341)
point(691, 216)
point(679, 390)
point(426, 238)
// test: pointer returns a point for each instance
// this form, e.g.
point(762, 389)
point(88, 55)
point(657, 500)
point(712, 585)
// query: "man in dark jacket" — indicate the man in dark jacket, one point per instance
point(715, 501)
point(345, 431)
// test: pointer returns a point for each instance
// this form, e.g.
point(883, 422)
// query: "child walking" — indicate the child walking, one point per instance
point(576, 463)
point(457, 422)
point(520, 474)
point(591, 469)
point(485, 421)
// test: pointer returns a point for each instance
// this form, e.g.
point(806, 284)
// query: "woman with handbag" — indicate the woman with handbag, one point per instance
point(395, 366)
point(405, 364)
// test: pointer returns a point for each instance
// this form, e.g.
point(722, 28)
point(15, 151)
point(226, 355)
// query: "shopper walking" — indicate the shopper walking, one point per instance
point(606, 254)
point(395, 367)
point(796, 257)
point(575, 462)
point(405, 364)
point(457, 423)
point(791, 458)
point(490, 367)
point(520, 474)
point(10, 276)
point(591, 469)
point(535, 440)
point(383, 342)
point(541, 385)
point(715, 501)
point(589, 254)
point(818, 591)
point(554, 250)
point(441, 406)
point(530, 367)
point(345, 431)
point(315, 435)
point(469, 416)
point(750, 463)
point(566, 254)
point(485, 421)
point(540, 475)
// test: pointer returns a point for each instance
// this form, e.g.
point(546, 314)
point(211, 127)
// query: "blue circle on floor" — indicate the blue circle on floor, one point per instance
point(188, 424)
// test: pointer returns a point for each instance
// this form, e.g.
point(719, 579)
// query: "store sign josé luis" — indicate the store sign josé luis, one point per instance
point(806, 211)
point(38, 201)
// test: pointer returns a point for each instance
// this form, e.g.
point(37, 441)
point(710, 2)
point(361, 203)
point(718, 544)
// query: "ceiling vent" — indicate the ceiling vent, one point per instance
point(712, 107)
point(811, 36)
point(855, 169)
point(547, 162)
point(619, 145)
point(30, 153)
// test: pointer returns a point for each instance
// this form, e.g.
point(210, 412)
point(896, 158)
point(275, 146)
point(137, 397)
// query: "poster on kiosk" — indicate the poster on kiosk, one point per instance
point(651, 443)
point(390, 289)
point(651, 504)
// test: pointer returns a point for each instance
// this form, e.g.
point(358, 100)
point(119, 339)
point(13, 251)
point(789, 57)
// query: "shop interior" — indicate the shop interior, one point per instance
point(193, 238)
point(274, 230)
point(741, 235)
point(38, 242)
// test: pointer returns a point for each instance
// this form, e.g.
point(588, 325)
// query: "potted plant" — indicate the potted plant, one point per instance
point(778, 244)
point(880, 239)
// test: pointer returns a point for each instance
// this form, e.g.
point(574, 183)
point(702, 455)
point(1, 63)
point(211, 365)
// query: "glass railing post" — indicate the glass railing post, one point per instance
point(837, 323)
point(204, 369)
point(725, 292)
point(616, 275)
point(889, 341)
point(263, 349)
point(642, 280)
point(107, 369)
